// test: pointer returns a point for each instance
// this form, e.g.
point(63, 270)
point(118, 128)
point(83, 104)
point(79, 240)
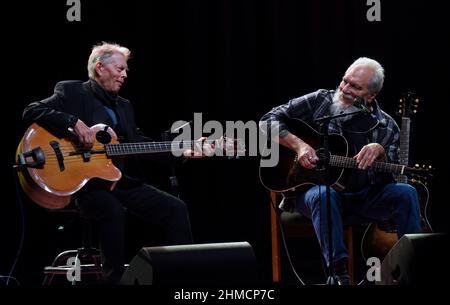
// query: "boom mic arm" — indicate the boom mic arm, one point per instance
point(361, 103)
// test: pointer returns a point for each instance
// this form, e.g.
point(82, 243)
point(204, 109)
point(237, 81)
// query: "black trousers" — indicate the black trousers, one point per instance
point(153, 206)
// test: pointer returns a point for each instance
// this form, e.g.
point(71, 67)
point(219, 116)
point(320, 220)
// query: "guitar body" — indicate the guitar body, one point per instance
point(289, 175)
point(65, 170)
point(377, 242)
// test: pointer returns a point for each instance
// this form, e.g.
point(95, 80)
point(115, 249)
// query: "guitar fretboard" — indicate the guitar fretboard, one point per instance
point(404, 146)
point(404, 141)
point(149, 147)
point(346, 162)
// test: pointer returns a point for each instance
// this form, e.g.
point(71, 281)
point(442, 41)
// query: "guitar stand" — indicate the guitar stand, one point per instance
point(89, 259)
point(83, 261)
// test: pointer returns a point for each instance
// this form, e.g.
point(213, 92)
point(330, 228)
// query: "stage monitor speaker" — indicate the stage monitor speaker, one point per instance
point(416, 259)
point(207, 264)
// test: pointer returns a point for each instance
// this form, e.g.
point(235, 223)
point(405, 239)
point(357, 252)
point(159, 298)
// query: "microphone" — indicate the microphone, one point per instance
point(180, 127)
point(360, 102)
point(34, 158)
point(166, 134)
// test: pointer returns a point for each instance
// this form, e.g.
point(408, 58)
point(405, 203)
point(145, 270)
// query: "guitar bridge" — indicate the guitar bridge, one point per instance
point(86, 156)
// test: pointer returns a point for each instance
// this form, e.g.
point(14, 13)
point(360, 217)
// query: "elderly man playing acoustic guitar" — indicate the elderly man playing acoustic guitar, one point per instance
point(372, 138)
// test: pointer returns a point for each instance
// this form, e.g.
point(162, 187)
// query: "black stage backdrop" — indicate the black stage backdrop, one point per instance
point(229, 60)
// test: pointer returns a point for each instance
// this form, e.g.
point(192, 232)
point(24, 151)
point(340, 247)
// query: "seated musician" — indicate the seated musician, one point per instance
point(73, 108)
point(373, 137)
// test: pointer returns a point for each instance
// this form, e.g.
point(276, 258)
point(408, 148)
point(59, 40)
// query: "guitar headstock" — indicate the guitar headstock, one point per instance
point(408, 105)
point(229, 147)
point(421, 173)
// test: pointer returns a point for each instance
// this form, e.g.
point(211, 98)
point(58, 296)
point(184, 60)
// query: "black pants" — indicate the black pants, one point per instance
point(153, 206)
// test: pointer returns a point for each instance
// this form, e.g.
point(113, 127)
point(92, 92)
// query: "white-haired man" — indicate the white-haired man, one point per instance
point(76, 105)
point(374, 136)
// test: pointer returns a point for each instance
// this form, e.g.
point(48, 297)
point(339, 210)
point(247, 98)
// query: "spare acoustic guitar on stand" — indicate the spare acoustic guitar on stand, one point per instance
point(379, 238)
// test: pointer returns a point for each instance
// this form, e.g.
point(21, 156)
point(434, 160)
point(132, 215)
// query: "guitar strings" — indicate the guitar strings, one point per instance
point(191, 143)
point(121, 148)
point(170, 143)
point(73, 161)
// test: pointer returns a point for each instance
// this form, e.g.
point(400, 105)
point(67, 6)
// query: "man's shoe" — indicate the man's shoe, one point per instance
point(341, 273)
point(343, 279)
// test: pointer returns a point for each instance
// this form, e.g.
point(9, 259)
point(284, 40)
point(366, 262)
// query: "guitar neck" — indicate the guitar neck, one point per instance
point(404, 140)
point(404, 146)
point(346, 162)
point(123, 149)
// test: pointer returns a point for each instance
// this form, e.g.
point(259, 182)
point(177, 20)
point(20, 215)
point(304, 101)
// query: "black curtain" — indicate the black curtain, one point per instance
point(229, 60)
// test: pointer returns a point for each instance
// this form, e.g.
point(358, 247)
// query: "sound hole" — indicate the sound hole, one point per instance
point(103, 137)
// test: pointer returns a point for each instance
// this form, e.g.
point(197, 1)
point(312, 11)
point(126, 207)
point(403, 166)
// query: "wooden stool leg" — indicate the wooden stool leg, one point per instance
point(349, 242)
point(276, 262)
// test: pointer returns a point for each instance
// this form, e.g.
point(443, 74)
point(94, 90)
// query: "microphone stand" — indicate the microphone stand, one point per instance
point(173, 175)
point(166, 136)
point(324, 122)
point(34, 158)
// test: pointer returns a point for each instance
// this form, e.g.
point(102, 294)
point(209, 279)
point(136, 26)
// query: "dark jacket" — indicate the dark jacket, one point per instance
point(76, 99)
point(73, 100)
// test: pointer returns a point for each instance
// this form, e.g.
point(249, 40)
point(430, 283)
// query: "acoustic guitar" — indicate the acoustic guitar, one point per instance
point(289, 175)
point(53, 169)
point(376, 241)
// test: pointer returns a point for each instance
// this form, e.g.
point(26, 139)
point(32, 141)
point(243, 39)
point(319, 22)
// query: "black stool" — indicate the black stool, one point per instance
point(80, 262)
